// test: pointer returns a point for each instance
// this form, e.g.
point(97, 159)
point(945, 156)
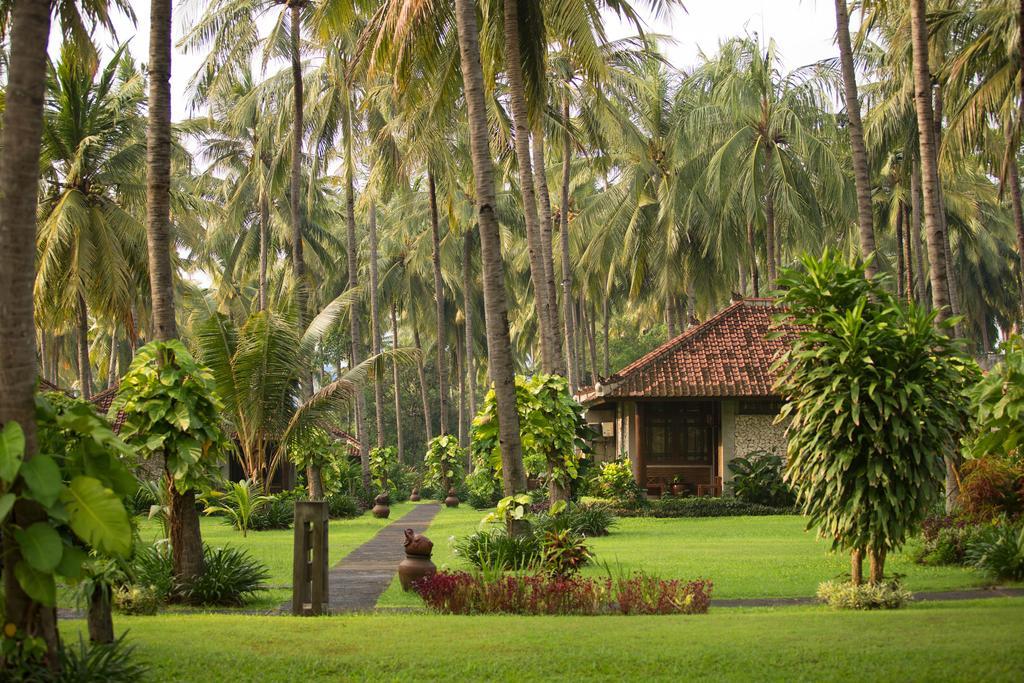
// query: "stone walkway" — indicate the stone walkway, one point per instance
point(364, 574)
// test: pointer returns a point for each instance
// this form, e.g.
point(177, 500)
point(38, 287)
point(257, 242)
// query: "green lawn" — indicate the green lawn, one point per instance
point(746, 557)
point(274, 548)
point(972, 641)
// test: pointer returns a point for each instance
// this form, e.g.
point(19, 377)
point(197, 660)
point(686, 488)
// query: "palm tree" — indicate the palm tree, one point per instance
point(934, 233)
point(862, 180)
point(499, 345)
point(90, 240)
point(29, 27)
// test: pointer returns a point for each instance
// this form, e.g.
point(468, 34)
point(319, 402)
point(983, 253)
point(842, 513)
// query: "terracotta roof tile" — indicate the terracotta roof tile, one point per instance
point(102, 402)
point(728, 355)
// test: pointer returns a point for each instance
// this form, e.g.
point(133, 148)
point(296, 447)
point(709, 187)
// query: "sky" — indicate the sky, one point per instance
point(803, 29)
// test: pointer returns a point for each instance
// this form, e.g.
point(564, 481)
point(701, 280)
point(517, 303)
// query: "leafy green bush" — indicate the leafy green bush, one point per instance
point(151, 568)
point(237, 504)
point(277, 513)
point(999, 550)
point(443, 462)
point(757, 478)
point(136, 600)
point(702, 507)
point(998, 403)
point(341, 506)
point(109, 662)
point(495, 549)
point(588, 519)
point(483, 488)
point(616, 482)
point(845, 595)
point(231, 576)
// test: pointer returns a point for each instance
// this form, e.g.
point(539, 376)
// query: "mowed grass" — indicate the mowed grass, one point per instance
point(275, 548)
point(745, 557)
point(967, 641)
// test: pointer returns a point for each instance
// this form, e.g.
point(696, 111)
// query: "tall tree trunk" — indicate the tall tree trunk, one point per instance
point(298, 261)
point(158, 171)
point(467, 313)
point(769, 237)
point(112, 360)
point(100, 619)
point(499, 344)
point(607, 354)
point(929, 161)
point(908, 254)
point(397, 382)
point(442, 368)
point(521, 127)
point(572, 362)
point(755, 276)
point(264, 249)
point(592, 340)
point(84, 367)
point(378, 384)
point(933, 210)
point(581, 336)
point(428, 431)
point(362, 429)
point(1018, 213)
point(186, 538)
point(861, 176)
point(460, 370)
point(546, 246)
point(915, 231)
point(899, 251)
point(19, 182)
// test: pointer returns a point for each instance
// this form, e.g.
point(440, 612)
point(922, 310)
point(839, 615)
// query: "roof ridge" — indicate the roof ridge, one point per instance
point(691, 332)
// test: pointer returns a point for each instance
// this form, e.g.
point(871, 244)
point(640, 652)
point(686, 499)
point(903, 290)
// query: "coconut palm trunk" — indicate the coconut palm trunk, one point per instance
point(929, 161)
point(1018, 212)
point(769, 237)
point(19, 182)
point(428, 432)
point(915, 231)
point(861, 176)
point(546, 247)
point(397, 383)
point(442, 366)
point(549, 352)
point(899, 252)
point(82, 340)
point(572, 362)
point(352, 247)
point(467, 314)
point(499, 343)
point(378, 385)
point(264, 250)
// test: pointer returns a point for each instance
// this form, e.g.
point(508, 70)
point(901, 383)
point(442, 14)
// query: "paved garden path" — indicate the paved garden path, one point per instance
point(364, 574)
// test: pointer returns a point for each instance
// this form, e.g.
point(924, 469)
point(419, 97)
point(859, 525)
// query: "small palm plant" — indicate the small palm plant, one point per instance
point(238, 504)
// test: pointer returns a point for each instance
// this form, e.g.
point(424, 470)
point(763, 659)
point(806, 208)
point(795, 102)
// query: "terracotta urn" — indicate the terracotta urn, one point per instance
point(416, 564)
point(452, 500)
point(678, 489)
point(380, 506)
point(415, 495)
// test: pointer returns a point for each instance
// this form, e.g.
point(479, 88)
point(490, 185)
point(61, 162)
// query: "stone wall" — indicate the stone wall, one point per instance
point(759, 433)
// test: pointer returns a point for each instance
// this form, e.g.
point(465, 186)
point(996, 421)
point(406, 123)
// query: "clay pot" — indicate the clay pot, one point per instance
point(678, 489)
point(415, 495)
point(452, 500)
point(380, 506)
point(417, 562)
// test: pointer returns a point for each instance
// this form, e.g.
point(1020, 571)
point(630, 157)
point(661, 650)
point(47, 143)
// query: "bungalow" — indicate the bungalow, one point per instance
point(684, 410)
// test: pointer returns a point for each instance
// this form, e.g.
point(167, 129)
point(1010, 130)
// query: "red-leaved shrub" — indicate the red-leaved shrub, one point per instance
point(464, 593)
point(990, 487)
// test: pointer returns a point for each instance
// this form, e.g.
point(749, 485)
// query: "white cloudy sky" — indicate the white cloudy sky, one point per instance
point(803, 29)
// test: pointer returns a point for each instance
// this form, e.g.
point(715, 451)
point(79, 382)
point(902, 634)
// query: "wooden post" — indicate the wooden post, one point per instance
point(310, 585)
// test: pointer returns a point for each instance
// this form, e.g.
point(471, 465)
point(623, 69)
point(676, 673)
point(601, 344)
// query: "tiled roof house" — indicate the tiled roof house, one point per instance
point(684, 410)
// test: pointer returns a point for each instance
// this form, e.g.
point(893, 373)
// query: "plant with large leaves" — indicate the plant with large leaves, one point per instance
point(172, 412)
point(876, 396)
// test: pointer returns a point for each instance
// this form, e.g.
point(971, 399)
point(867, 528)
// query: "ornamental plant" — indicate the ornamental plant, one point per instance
point(876, 400)
point(78, 479)
point(757, 478)
point(172, 412)
point(553, 429)
point(383, 460)
point(998, 404)
point(443, 462)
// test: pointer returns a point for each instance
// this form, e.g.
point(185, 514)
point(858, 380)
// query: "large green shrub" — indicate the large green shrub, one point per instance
point(552, 426)
point(443, 463)
point(876, 396)
point(998, 403)
point(757, 478)
point(704, 506)
point(999, 550)
point(617, 483)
